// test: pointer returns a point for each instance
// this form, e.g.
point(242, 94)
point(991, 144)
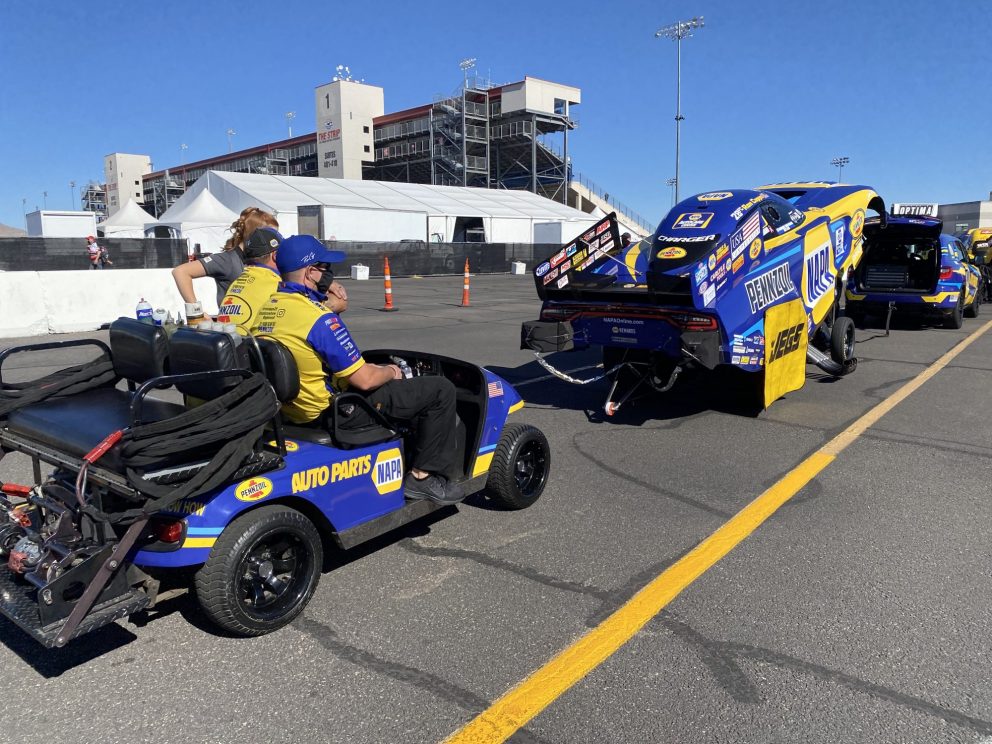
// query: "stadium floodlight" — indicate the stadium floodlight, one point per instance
point(466, 65)
point(290, 115)
point(341, 72)
point(182, 153)
point(230, 145)
point(72, 191)
point(44, 195)
point(840, 163)
point(676, 32)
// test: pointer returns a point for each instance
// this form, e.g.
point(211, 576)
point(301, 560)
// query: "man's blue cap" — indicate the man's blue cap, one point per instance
point(298, 251)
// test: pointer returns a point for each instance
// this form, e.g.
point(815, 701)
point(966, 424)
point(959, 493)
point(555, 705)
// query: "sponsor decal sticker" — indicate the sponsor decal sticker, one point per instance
point(738, 264)
point(543, 269)
point(558, 258)
point(570, 250)
point(672, 252)
point(495, 389)
point(748, 232)
point(552, 275)
point(722, 251)
point(739, 212)
point(387, 472)
point(565, 267)
point(818, 274)
point(692, 221)
point(786, 342)
point(769, 287)
point(701, 273)
point(562, 282)
point(711, 262)
point(715, 196)
point(311, 478)
point(709, 296)
point(755, 250)
point(684, 239)
point(602, 228)
point(255, 489)
point(291, 446)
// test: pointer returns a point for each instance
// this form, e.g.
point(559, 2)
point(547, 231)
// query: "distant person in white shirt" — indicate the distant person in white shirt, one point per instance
point(93, 252)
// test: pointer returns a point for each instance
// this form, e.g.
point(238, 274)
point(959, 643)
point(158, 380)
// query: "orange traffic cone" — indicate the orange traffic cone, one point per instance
point(388, 307)
point(465, 287)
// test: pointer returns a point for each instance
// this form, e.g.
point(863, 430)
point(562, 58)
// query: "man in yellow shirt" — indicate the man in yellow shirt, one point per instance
point(257, 282)
point(302, 317)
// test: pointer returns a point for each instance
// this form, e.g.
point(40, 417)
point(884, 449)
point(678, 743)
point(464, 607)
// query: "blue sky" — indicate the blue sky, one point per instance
point(770, 91)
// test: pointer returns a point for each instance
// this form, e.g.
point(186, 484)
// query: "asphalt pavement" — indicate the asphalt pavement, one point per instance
point(858, 612)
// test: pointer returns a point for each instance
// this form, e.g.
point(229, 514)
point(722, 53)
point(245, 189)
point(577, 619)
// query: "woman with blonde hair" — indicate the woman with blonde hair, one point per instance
point(224, 267)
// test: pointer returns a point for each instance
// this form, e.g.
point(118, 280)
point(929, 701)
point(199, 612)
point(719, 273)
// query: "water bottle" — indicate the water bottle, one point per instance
point(159, 316)
point(144, 312)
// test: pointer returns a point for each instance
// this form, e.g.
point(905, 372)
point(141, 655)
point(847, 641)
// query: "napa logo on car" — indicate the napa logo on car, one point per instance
point(387, 472)
point(672, 252)
point(715, 196)
point(254, 489)
point(818, 274)
point(306, 480)
point(692, 221)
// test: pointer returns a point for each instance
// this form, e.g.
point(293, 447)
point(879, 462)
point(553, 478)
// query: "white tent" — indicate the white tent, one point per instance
point(128, 222)
point(200, 217)
point(387, 211)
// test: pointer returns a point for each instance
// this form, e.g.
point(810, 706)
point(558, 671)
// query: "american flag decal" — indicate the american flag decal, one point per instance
point(495, 389)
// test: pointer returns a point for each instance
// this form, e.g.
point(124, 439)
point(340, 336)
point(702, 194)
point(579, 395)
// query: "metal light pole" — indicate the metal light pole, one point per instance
point(230, 146)
point(466, 65)
point(72, 191)
point(182, 152)
point(44, 196)
point(24, 208)
point(671, 183)
point(290, 115)
point(676, 32)
point(840, 163)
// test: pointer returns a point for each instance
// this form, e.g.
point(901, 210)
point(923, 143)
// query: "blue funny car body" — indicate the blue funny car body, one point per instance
point(726, 279)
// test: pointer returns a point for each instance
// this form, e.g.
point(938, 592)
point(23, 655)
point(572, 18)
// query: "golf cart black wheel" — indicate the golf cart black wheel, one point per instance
point(955, 319)
point(520, 466)
point(261, 572)
point(842, 340)
point(975, 307)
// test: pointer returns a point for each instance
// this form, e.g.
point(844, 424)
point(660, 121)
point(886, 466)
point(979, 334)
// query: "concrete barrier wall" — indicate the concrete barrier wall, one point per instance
point(37, 302)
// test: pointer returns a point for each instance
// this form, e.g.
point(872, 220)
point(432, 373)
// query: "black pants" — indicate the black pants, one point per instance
point(428, 404)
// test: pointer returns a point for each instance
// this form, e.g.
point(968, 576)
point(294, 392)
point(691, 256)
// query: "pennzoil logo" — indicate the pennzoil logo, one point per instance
point(255, 489)
point(672, 252)
point(387, 473)
point(291, 446)
point(857, 223)
point(305, 480)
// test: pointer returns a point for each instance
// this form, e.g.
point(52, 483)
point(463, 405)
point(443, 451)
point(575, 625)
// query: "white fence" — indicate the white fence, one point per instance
point(40, 302)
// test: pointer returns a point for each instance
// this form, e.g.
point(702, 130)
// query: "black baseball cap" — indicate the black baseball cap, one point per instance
point(262, 242)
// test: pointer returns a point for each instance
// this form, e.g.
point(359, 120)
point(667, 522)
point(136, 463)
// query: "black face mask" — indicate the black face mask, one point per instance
point(324, 283)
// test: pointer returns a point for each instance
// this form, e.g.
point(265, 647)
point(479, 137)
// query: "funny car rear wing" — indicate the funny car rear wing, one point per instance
point(572, 269)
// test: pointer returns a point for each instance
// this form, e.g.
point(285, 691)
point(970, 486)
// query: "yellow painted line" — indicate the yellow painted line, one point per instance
point(516, 407)
point(199, 542)
point(515, 708)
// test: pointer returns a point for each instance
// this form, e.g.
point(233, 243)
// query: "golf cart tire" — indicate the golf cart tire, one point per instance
point(520, 466)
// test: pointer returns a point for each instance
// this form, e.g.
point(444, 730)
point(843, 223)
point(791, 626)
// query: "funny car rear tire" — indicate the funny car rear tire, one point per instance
point(261, 572)
point(520, 466)
point(842, 340)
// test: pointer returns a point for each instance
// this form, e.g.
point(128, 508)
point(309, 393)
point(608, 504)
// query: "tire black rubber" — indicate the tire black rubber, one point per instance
point(842, 339)
point(975, 307)
point(502, 484)
point(217, 580)
point(955, 319)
